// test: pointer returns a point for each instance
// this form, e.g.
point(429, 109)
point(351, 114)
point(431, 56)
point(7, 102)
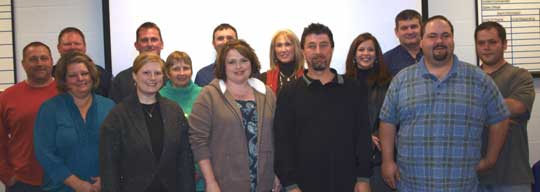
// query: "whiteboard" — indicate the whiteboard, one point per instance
point(7, 65)
point(521, 18)
point(188, 25)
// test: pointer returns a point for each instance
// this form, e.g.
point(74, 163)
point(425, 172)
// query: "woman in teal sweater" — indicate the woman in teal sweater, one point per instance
point(183, 91)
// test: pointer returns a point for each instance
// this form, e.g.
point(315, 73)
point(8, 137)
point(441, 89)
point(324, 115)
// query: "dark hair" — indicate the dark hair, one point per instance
point(408, 14)
point(244, 49)
point(74, 57)
point(148, 25)
point(316, 28)
point(35, 44)
point(501, 32)
point(71, 30)
point(436, 17)
point(223, 26)
point(381, 74)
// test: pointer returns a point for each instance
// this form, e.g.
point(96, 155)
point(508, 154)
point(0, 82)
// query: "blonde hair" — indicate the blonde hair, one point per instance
point(298, 56)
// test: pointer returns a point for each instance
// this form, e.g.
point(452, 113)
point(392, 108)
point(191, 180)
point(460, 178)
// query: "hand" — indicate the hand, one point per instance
point(484, 165)
point(212, 187)
point(390, 173)
point(97, 184)
point(295, 190)
point(376, 141)
point(84, 186)
point(362, 187)
point(277, 185)
point(11, 181)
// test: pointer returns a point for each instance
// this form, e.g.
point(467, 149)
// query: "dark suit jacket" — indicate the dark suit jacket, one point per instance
point(127, 162)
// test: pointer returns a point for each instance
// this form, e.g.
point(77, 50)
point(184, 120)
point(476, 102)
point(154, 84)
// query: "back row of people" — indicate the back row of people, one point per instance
point(325, 126)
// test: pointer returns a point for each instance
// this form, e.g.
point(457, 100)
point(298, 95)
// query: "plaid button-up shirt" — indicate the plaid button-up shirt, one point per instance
point(440, 125)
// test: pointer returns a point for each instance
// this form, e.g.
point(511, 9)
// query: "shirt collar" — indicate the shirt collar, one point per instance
point(337, 78)
point(257, 84)
point(453, 71)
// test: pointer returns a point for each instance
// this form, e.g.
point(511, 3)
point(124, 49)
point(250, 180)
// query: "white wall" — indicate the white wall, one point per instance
point(38, 20)
point(462, 14)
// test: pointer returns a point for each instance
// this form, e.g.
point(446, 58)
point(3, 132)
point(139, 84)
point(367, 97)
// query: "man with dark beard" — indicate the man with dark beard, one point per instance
point(322, 133)
point(442, 106)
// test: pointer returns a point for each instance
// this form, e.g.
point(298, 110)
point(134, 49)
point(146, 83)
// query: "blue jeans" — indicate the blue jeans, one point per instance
point(505, 188)
point(23, 187)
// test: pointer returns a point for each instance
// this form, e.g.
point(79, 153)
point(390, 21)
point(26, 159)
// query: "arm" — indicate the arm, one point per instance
point(521, 98)
point(497, 136)
point(199, 134)
point(390, 171)
point(109, 152)
point(186, 169)
point(285, 139)
point(208, 174)
point(45, 144)
point(363, 140)
point(6, 172)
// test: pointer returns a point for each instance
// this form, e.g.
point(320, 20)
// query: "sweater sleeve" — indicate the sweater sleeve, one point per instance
point(285, 138)
point(362, 132)
point(186, 167)
point(6, 172)
point(45, 144)
point(109, 151)
point(200, 121)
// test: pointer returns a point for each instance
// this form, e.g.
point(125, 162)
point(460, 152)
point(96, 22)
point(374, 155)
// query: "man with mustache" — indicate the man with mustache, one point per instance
point(512, 171)
point(19, 104)
point(148, 39)
point(407, 30)
point(442, 106)
point(322, 133)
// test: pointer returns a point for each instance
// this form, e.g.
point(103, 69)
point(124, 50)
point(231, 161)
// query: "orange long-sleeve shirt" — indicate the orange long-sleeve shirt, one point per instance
point(19, 105)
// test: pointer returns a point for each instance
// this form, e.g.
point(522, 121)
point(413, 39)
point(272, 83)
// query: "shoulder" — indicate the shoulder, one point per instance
point(391, 52)
point(104, 100)
point(207, 68)
point(126, 73)
point(14, 89)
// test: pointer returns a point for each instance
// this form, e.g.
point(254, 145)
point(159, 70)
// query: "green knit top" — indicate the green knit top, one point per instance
point(184, 96)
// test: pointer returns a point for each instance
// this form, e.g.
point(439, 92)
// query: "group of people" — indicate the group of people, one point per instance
point(415, 118)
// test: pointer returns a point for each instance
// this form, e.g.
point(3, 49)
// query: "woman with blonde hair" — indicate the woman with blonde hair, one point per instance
point(286, 60)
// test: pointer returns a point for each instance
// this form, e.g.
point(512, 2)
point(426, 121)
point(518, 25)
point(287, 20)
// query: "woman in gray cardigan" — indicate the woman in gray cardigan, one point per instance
point(231, 125)
point(144, 144)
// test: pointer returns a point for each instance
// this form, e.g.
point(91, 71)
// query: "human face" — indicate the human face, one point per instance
point(148, 40)
point(149, 78)
point(365, 55)
point(489, 47)
point(180, 74)
point(318, 51)
point(71, 41)
point(408, 32)
point(78, 80)
point(223, 36)
point(237, 67)
point(37, 64)
point(284, 49)
point(437, 42)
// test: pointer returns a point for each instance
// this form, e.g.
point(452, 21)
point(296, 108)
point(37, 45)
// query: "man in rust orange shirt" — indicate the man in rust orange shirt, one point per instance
point(19, 169)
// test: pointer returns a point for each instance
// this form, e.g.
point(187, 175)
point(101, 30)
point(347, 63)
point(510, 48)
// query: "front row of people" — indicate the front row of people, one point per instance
point(322, 133)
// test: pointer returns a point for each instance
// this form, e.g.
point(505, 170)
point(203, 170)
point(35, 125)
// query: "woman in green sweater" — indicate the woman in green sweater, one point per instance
point(179, 87)
point(183, 91)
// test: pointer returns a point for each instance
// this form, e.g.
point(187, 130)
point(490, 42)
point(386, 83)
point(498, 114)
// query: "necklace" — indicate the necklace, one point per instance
point(289, 78)
point(149, 112)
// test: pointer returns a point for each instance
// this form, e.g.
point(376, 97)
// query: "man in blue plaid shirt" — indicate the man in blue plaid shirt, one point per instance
point(441, 105)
